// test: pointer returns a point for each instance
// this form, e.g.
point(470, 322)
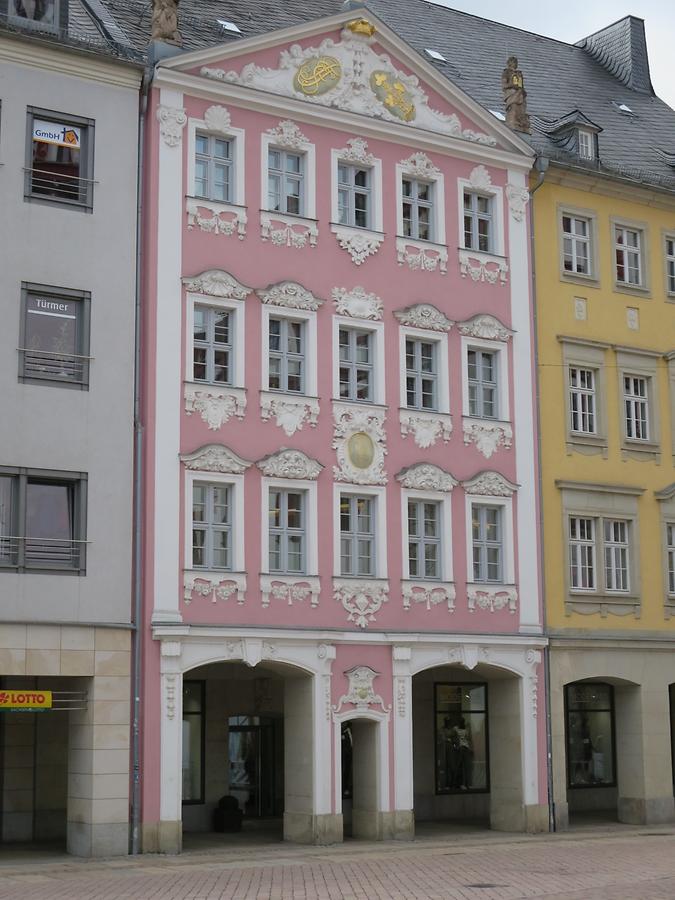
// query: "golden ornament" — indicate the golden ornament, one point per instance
point(361, 26)
point(393, 94)
point(317, 76)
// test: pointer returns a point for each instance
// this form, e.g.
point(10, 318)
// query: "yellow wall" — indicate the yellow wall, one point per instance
point(607, 322)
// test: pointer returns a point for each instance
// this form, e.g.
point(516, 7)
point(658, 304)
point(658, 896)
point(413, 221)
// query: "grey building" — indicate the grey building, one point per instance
point(69, 93)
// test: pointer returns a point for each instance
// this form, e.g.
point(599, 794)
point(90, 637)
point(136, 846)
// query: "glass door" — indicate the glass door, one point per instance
point(251, 764)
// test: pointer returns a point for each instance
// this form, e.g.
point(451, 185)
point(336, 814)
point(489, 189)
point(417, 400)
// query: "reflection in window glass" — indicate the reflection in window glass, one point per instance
point(56, 160)
point(42, 11)
point(53, 339)
point(461, 738)
point(590, 735)
point(50, 523)
point(193, 749)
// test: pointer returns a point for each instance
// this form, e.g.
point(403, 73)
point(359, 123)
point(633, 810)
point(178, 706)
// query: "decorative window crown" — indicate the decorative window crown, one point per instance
point(489, 484)
point(215, 458)
point(289, 294)
point(423, 315)
point(217, 283)
point(290, 464)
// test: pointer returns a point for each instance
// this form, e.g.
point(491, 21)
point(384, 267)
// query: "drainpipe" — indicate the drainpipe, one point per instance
point(541, 165)
point(138, 633)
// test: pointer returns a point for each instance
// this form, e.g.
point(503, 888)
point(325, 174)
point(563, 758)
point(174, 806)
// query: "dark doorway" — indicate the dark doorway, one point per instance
point(252, 750)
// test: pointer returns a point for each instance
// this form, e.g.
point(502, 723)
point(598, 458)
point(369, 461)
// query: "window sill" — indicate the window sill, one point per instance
point(491, 597)
point(55, 201)
point(426, 426)
point(604, 604)
point(361, 597)
point(360, 243)
point(481, 266)
point(290, 411)
point(288, 230)
point(224, 218)
point(290, 589)
point(41, 570)
point(641, 451)
point(633, 290)
point(213, 585)
point(586, 444)
point(215, 404)
point(669, 607)
point(430, 593)
point(591, 281)
point(358, 404)
point(488, 435)
point(423, 256)
point(54, 382)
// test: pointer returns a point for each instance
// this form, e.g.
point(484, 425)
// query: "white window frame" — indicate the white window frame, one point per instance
point(496, 194)
point(643, 258)
point(444, 499)
point(308, 317)
point(574, 238)
point(670, 558)
point(634, 401)
point(599, 546)
point(376, 212)
point(306, 149)
point(585, 143)
point(500, 349)
point(592, 545)
point(669, 259)
point(586, 355)
point(632, 363)
point(379, 494)
point(438, 205)
point(238, 341)
point(311, 526)
point(443, 376)
point(377, 331)
point(238, 138)
point(508, 560)
point(236, 484)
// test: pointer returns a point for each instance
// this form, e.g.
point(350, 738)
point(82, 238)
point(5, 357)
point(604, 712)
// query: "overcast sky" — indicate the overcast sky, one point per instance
point(574, 19)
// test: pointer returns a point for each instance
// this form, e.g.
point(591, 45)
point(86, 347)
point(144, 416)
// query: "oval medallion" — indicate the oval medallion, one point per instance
point(361, 450)
point(317, 76)
point(393, 95)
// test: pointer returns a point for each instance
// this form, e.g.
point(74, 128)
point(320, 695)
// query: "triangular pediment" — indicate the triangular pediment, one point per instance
point(357, 65)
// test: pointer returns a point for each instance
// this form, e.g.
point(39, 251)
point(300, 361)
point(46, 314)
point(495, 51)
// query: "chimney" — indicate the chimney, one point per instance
point(621, 48)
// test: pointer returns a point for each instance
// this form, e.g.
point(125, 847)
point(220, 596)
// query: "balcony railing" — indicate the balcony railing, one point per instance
point(53, 365)
point(42, 553)
point(59, 186)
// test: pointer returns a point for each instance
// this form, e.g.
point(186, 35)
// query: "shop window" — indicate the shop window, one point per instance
point(54, 342)
point(42, 521)
point(193, 741)
point(461, 737)
point(589, 713)
point(59, 164)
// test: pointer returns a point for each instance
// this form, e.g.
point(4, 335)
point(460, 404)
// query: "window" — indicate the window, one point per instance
point(354, 196)
point(589, 713)
point(576, 245)
point(356, 364)
point(42, 521)
point(477, 222)
point(357, 535)
point(584, 535)
point(582, 400)
point(628, 254)
point(46, 15)
point(461, 738)
point(214, 168)
point(670, 549)
point(421, 374)
point(487, 543)
point(285, 182)
point(286, 344)
point(483, 387)
point(636, 407)
point(211, 526)
point(418, 209)
point(212, 346)
point(54, 339)
point(193, 741)
point(287, 531)
point(59, 164)
point(586, 143)
point(670, 265)
point(424, 539)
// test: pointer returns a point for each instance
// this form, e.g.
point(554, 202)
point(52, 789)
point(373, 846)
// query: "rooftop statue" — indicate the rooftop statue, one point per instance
point(515, 96)
point(165, 22)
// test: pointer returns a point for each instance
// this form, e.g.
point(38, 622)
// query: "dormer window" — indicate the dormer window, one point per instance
point(586, 144)
point(43, 14)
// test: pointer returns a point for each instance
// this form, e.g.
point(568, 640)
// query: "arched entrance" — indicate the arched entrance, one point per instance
point(361, 788)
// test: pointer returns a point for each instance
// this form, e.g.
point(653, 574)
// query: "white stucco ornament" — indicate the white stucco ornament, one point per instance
point(361, 692)
point(518, 198)
point(289, 413)
point(429, 595)
point(357, 303)
point(172, 120)
point(287, 134)
point(426, 428)
point(215, 405)
point(288, 231)
point(482, 597)
point(359, 442)
point(426, 477)
point(213, 586)
point(482, 267)
point(485, 326)
point(290, 464)
point(419, 166)
point(480, 178)
point(362, 599)
point(424, 315)
point(356, 151)
point(289, 590)
point(290, 295)
point(419, 257)
point(215, 458)
point(359, 244)
point(217, 283)
point(217, 119)
point(489, 484)
point(213, 217)
point(487, 436)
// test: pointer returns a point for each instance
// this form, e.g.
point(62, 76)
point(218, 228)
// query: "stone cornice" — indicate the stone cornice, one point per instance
point(599, 487)
point(609, 185)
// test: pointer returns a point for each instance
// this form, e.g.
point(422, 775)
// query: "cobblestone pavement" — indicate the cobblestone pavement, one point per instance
point(615, 864)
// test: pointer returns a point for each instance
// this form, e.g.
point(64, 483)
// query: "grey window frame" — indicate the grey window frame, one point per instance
point(636, 412)
point(599, 545)
point(84, 334)
point(475, 216)
point(669, 251)
point(670, 556)
point(86, 201)
point(212, 161)
point(353, 367)
point(210, 528)
point(578, 393)
point(16, 546)
point(285, 532)
point(353, 535)
point(421, 540)
point(212, 346)
point(418, 376)
point(351, 189)
point(483, 544)
point(416, 204)
point(284, 355)
point(282, 174)
point(575, 239)
point(477, 407)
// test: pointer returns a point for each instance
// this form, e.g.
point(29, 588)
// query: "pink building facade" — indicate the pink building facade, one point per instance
point(343, 618)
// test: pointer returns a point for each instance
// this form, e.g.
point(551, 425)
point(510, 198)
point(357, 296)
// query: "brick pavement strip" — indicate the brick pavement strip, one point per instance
point(632, 865)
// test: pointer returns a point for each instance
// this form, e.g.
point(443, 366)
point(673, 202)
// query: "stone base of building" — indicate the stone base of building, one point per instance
point(306, 828)
point(101, 839)
point(646, 811)
point(516, 817)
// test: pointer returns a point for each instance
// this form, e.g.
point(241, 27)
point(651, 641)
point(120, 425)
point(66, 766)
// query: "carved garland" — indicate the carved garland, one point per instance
point(290, 464)
point(357, 303)
point(423, 315)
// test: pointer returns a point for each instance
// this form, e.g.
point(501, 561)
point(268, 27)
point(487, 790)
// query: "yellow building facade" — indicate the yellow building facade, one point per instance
point(604, 253)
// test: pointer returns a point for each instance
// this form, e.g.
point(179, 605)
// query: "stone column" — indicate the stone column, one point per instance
point(404, 816)
point(170, 837)
point(506, 747)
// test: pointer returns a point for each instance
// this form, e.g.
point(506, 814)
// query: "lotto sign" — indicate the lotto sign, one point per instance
point(53, 133)
point(25, 701)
